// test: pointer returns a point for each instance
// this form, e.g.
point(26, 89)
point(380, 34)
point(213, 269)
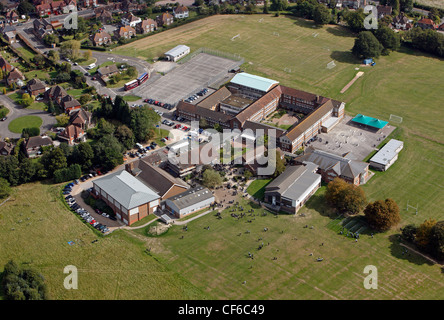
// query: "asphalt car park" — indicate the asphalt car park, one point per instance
point(188, 79)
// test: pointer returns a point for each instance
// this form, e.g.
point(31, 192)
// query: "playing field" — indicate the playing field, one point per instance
point(215, 261)
point(35, 228)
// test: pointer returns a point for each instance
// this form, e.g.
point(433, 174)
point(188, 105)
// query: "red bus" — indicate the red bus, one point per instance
point(143, 78)
point(131, 85)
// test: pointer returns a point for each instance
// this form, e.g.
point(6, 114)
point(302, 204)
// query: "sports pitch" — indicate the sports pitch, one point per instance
point(214, 263)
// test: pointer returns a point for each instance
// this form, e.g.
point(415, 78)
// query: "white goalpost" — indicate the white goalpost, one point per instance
point(409, 206)
point(395, 118)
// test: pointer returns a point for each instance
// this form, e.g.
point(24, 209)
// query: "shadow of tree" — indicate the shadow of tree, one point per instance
point(341, 32)
point(401, 252)
point(317, 202)
point(344, 57)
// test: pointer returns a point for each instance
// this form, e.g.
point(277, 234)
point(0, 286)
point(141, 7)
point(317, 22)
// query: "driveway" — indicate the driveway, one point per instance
point(16, 111)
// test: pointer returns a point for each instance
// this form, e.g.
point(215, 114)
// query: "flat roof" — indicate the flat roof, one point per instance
point(237, 101)
point(191, 197)
point(253, 81)
point(369, 121)
point(388, 152)
point(177, 50)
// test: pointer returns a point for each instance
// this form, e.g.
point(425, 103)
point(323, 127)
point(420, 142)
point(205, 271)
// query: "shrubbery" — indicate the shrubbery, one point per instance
point(70, 173)
point(23, 284)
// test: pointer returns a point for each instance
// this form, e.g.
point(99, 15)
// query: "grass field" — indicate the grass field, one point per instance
point(432, 3)
point(257, 188)
point(131, 98)
point(17, 125)
point(215, 261)
point(37, 227)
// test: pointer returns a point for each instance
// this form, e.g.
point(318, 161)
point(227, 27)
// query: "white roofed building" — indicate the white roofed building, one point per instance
point(177, 52)
point(387, 155)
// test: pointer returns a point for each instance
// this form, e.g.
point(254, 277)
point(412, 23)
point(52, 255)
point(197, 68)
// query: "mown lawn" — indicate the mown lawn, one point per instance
point(36, 226)
point(17, 125)
point(257, 188)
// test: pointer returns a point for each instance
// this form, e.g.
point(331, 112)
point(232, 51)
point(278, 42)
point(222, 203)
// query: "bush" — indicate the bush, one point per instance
point(23, 284)
point(30, 132)
point(66, 174)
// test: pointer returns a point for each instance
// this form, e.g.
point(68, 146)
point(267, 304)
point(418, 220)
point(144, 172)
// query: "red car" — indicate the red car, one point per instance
point(145, 100)
point(184, 128)
point(93, 221)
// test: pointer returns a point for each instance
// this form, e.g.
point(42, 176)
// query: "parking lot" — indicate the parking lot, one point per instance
point(348, 137)
point(188, 78)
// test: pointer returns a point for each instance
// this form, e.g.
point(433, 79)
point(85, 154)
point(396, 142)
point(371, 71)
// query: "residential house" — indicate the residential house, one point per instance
point(33, 145)
point(70, 104)
point(43, 9)
point(72, 134)
point(426, 24)
point(384, 11)
point(5, 66)
point(104, 16)
point(146, 26)
point(108, 71)
point(101, 38)
point(180, 12)
point(130, 20)
point(11, 17)
point(128, 197)
point(293, 188)
point(157, 179)
point(6, 148)
point(440, 27)
point(81, 118)
point(15, 76)
point(331, 166)
point(189, 201)
point(401, 22)
point(56, 94)
point(125, 32)
point(36, 86)
point(165, 19)
point(9, 33)
point(42, 27)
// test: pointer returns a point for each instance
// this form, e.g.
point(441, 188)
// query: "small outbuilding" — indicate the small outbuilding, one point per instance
point(192, 200)
point(177, 52)
point(387, 155)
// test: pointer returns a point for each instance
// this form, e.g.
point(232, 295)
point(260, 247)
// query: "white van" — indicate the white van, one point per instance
point(91, 66)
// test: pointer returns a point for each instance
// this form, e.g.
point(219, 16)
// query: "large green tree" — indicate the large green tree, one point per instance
point(211, 178)
point(436, 243)
point(108, 152)
point(367, 46)
point(143, 122)
point(321, 15)
point(345, 197)
point(5, 189)
point(389, 39)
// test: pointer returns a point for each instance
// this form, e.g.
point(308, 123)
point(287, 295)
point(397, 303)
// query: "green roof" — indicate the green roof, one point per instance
point(369, 121)
point(252, 81)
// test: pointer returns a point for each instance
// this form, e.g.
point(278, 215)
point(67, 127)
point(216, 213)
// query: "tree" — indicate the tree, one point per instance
point(355, 19)
point(142, 123)
point(87, 55)
point(344, 196)
point(278, 5)
point(5, 189)
point(27, 170)
point(27, 100)
point(436, 242)
point(248, 174)
point(83, 155)
point(125, 136)
point(54, 160)
point(30, 132)
point(131, 71)
point(367, 46)
point(70, 49)
point(53, 55)
point(62, 120)
point(211, 178)
point(409, 233)
point(382, 215)
point(423, 233)
point(321, 15)
point(108, 152)
point(25, 8)
point(85, 98)
point(265, 10)
point(51, 39)
point(389, 39)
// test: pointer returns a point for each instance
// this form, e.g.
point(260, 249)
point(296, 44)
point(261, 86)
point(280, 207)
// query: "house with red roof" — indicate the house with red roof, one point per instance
point(426, 24)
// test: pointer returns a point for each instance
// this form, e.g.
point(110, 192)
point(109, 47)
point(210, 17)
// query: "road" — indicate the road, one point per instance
point(16, 111)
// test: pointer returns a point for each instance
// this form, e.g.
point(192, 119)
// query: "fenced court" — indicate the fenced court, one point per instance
point(196, 72)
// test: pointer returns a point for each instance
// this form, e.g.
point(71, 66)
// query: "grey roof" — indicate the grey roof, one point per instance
point(294, 181)
point(329, 161)
point(126, 189)
point(191, 197)
point(387, 152)
point(177, 50)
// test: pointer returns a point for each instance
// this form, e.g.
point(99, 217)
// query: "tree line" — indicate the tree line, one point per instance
point(428, 237)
